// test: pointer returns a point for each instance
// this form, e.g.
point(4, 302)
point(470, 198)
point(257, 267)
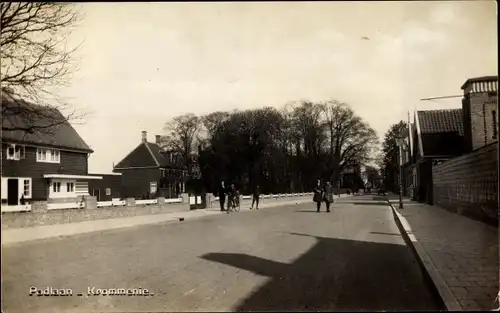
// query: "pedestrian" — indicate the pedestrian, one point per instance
point(222, 195)
point(318, 196)
point(328, 195)
point(255, 197)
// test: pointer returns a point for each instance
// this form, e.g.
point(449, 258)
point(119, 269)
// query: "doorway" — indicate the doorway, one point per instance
point(97, 193)
point(12, 191)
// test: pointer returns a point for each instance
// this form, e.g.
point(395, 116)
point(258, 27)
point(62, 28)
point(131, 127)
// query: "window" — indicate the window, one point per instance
point(56, 187)
point(27, 188)
point(15, 152)
point(48, 155)
point(495, 124)
point(70, 187)
point(108, 191)
point(152, 187)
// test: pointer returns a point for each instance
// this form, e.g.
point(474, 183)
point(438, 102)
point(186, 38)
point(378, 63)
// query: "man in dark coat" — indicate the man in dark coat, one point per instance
point(221, 191)
point(255, 197)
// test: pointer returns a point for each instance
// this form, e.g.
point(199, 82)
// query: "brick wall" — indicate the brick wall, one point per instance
point(482, 105)
point(468, 184)
point(40, 217)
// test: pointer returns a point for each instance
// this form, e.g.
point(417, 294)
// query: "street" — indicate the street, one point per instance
point(281, 258)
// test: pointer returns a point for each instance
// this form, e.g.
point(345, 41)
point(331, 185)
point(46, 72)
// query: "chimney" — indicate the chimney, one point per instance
point(144, 136)
point(479, 109)
point(158, 139)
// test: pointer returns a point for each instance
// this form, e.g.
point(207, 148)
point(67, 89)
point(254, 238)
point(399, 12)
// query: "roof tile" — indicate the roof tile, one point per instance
point(441, 121)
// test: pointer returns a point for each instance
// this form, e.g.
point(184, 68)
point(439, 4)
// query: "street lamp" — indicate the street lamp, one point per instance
point(400, 141)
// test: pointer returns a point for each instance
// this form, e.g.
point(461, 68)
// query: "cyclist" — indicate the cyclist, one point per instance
point(231, 197)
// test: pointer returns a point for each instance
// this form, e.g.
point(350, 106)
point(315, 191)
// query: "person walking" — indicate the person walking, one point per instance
point(318, 196)
point(255, 197)
point(222, 195)
point(328, 195)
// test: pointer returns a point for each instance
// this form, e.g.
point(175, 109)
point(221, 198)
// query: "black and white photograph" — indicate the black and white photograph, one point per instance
point(251, 156)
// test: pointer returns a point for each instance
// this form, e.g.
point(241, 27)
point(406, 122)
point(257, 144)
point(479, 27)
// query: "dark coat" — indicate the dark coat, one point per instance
point(221, 191)
point(328, 193)
point(318, 195)
point(256, 191)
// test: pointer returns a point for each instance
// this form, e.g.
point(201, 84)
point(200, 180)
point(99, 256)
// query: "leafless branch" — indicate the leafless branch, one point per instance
point(34, 59)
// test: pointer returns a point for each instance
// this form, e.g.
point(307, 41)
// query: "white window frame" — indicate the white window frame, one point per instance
point(70, 187)
point(18, 152)
point(48, 155)
point(54, 185)
point(26, 195)
point(152, 185)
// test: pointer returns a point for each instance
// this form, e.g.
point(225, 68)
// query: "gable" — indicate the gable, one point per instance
point(139, 157)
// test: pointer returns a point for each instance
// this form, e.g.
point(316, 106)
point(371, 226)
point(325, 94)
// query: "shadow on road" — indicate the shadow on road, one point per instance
point(336, 274)
point(369, 203)
point(382, 233)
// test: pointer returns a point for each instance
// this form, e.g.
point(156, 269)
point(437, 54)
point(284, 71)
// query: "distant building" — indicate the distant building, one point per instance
point(149, 171)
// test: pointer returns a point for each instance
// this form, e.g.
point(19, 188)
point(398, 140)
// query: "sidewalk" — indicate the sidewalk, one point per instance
point(459, 254)
point(16, 235)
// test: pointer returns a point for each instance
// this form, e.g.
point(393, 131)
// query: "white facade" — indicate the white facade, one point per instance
point(68, 186)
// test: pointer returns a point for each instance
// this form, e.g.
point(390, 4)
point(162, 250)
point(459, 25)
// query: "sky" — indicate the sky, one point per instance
point(141, 64)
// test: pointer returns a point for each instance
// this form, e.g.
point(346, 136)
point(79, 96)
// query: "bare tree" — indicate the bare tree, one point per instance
point(34, 58)
point(181, 136)
point(351, 140)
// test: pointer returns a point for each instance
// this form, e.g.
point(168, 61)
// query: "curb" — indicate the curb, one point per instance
point(431, 274)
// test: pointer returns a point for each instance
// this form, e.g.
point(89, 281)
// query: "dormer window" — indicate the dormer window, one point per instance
point(15, 152)
point(48, 155)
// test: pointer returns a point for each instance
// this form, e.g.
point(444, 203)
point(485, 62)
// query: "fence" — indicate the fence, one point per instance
point(76, 204)
point(271, 196)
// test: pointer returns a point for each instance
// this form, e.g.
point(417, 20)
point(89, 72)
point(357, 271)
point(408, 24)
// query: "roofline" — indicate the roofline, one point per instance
point(128, 154)
point(479, 79)
point(103, 174)
point(35, 145)
point(419, 135)
point(151, 152)
point(410, 134)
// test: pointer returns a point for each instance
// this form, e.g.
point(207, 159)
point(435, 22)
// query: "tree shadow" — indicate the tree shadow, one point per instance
point(337, 274)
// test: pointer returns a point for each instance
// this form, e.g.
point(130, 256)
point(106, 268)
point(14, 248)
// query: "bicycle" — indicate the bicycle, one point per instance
point(234, 204)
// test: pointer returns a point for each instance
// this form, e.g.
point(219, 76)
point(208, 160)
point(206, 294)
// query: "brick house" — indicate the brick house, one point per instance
point(437, 136)
point(150, 171)
point(49, 165)
point(468, 184)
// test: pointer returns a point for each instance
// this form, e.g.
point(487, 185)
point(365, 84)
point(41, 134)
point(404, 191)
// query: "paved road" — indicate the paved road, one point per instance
point(283, 258)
